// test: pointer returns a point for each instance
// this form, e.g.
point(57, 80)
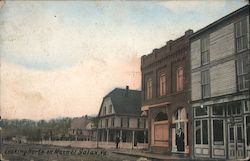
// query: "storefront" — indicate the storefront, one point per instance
point(222, 130)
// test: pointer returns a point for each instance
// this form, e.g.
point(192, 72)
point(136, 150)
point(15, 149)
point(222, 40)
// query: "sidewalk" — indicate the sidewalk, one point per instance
point(151, 156)
point(159, 157)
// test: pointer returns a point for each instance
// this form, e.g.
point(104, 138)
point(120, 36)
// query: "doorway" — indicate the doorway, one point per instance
point(180, 120)
point(235, 141)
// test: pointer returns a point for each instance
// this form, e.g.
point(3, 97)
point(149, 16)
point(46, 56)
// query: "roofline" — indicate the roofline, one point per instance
point(242, 9)
point(107, 95)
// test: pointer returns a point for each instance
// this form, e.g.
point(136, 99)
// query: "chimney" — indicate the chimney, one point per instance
point(127, 88)
point(189, 32)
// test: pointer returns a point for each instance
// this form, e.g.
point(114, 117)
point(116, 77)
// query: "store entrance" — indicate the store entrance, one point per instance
point(235, 141)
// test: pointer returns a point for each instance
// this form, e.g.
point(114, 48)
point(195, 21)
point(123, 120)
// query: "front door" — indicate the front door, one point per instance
point(235, 141)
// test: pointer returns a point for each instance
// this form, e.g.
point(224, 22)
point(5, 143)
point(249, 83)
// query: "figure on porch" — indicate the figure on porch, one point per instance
point(180, 140)
point(117, 141)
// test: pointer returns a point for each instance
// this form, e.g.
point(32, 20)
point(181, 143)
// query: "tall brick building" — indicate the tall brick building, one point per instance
point(165, 94)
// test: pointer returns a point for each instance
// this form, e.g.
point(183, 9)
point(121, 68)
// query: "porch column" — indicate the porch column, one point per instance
point(144, 137)
point(133, 139)
point(121, 136)
point(107, 135)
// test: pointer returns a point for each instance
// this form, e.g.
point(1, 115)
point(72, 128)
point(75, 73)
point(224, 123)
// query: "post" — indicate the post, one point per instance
point(120, 138)
point(97, 138)
point(1, 157)
point(144, 137)
point(133, 139)
point(107, 136)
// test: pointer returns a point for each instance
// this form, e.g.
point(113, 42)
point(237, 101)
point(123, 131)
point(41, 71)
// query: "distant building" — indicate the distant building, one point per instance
point(120, 115)
point(82, 129)
point(220, 87)
point(165, 95)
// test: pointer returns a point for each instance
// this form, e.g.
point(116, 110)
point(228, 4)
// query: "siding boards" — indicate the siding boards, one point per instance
point(196, 55)
point(222, 42)
point(196, 86)
point(223, 79)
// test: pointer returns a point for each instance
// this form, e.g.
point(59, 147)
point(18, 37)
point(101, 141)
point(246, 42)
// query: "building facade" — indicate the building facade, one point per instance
point(120, 116)
point(82, 129)
point(165, 95)
point(220, 87)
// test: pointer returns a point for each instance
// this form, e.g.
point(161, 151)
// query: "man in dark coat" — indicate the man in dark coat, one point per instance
point(117, 141)
point(180, 140)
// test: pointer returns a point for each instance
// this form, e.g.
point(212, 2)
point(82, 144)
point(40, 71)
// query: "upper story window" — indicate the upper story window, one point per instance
point(149, 89)
point(104, 110)
point(241, 35)
point(110, 109)
point(205, 50)
point(162, 84)
point(179, 79)
point(242, 73)
point(205, 84)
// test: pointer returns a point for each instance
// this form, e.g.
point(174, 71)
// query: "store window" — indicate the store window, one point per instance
point(248, 130)
point(234, 108)
point(201, 111)
point(218, 132)
point(201, 132)
point(218, 109)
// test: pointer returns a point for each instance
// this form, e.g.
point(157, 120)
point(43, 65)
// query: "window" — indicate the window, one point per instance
point(205, 84)
point(234, 108)
point(106, 123)
point(201, 132)
point(241, 35)
point(149, 88)
point(205, 50)
point(201, 111)
point(248, 129)
point(113, 122)
point(162, 84)
point(179, 79)
point(110, 109)
point(121, 122)
point(242, 73)
point(218, 110)
point(218, 132)
point(247, 105)
point(104, 110)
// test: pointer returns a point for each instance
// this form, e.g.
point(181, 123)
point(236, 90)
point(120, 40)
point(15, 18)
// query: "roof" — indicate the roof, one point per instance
point(125, 101)
point(79, 122)
point(221, 20)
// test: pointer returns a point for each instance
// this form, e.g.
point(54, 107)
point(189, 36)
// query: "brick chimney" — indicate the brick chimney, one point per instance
point(127, 89)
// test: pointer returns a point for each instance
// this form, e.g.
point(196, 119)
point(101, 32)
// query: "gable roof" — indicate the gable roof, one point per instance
point(79, 122)
point(125, 101)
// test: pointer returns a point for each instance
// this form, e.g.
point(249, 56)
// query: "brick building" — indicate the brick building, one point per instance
point(220, 87)
point(165, 94)
point(120, 115)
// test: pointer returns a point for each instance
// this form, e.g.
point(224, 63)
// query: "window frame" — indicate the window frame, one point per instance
point(205, 85)
point(149, 89)
point(201, 132)
point(204, 49)
point(162, 84)
point(217, 143)
point(242, 35)
point(180, 78)
point(242, 72)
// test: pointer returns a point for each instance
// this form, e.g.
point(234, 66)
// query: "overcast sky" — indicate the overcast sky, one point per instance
point(59, 58)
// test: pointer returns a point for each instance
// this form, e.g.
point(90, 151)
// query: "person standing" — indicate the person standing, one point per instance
point(117, 141)
point(180, 140)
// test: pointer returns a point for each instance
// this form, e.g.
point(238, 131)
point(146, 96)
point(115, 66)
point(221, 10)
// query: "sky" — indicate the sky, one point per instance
point(60, 58)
